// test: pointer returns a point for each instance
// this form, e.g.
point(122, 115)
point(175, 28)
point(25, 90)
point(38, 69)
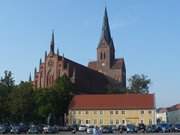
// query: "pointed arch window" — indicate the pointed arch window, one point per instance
point(104, 55)
point(101, 56)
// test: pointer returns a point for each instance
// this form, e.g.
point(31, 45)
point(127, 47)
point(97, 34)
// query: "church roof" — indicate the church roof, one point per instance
point(118, 63)
point(106, 34)
point(113, 101)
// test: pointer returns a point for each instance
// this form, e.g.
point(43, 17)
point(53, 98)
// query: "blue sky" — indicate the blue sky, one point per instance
point(145, 33)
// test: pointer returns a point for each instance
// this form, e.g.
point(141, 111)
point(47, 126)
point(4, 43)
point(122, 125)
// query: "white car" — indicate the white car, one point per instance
point(82, 128)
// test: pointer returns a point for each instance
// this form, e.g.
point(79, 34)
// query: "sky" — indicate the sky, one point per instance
point(145, 34)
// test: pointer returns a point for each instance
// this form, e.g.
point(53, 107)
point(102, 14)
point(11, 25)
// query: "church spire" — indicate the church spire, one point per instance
point(106, 34)
point(30, 79)
point(52, 43)
point(35, 71)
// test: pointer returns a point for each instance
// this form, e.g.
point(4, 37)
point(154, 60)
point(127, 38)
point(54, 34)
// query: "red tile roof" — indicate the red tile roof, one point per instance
point(113, 101)
point(174, 108)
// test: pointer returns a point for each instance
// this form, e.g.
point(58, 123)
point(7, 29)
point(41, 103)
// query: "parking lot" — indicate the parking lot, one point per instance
point(83, 133)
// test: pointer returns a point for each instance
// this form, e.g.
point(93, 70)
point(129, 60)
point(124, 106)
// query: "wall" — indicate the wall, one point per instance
point(111, 117)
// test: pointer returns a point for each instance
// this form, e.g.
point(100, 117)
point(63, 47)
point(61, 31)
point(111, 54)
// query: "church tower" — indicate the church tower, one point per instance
point(106, 62)
point(105, 49)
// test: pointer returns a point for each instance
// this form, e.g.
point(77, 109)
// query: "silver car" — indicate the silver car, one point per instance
point(90, 129)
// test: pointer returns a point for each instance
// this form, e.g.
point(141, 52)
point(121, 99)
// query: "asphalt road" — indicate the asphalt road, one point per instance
point(83, 133)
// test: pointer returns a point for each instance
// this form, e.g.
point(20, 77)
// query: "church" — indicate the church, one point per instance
point(105, 73)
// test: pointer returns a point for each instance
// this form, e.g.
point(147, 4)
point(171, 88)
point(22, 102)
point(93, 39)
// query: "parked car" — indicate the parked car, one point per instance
point(122, 128)
point(23, 128)
point(176, 128)
point(75, 127)
point(130, 128)
point(49, 129)
point(106, 129)
point(90, 129)
point(34, 130)
point(82, 128)
point(65, 128)
point(164, 128)
point(141, 128)
point(15, 129)
point(151, 129)
point(4, 128)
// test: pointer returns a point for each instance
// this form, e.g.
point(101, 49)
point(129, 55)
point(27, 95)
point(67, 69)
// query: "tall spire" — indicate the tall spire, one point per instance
point(30, 79)
point(106, 34)
point(45, 54)
point(40, 62)
point(52, 43)
point(35, 71)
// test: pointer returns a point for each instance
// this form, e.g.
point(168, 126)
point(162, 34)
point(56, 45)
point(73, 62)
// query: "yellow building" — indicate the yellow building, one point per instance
point(112, 109)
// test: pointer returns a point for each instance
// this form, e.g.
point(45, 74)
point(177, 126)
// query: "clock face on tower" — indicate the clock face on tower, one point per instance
point(103, 64)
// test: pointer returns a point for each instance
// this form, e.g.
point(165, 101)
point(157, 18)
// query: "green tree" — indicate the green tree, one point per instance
point(4, 91)
point(8, 79)
point(6, 85)
point(139, 84)
point(20, 102)
point(48, 101)
point(64, 84)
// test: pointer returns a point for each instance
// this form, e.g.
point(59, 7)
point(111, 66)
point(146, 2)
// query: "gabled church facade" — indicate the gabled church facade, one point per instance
point(105, 73)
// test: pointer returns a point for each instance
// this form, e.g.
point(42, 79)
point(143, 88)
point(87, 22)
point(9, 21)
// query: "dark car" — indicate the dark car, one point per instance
point(34, 130)
point(106, 129)
point(141, 128)
point(65, 128)
point(176, 128)
point(23, 128)
point(122, 128)
point(130, 128)
point(49, 129)
point(164, 128)
point(15, 129)
point(4, 128)
point(151, 129)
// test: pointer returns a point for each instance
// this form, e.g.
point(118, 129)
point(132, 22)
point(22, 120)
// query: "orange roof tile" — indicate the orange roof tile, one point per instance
point(113, 101)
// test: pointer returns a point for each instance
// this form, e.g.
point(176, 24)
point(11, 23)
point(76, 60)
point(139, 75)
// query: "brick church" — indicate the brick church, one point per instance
point(107, 72)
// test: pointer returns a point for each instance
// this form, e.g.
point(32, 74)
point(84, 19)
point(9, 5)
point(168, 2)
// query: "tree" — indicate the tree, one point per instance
point(8, 79)
point(64, 85)
point(20, 102)
point(6, 85)
point(139, 84)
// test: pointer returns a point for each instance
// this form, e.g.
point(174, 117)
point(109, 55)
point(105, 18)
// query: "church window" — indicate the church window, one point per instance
point(101, 57)
point(104, 55)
